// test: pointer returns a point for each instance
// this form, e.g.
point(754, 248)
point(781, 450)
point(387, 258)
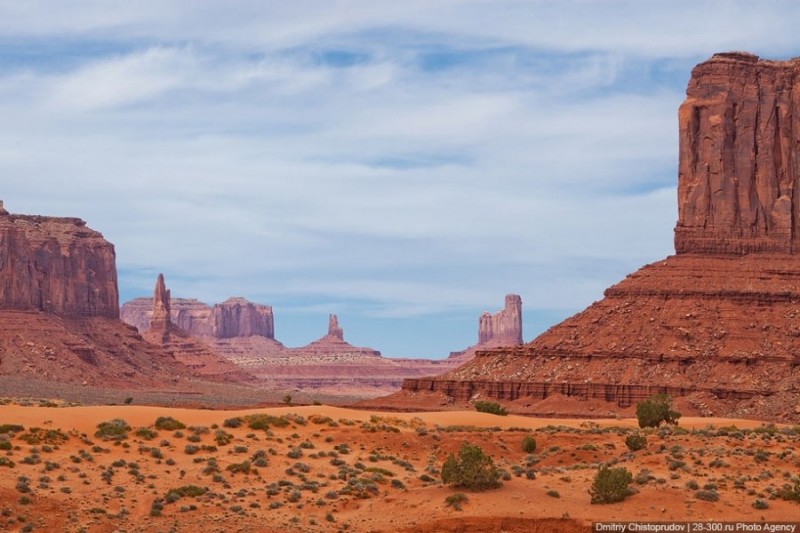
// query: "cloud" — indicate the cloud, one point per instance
point(398, 160)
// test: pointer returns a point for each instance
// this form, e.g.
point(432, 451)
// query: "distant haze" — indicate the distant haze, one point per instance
point(401, 164)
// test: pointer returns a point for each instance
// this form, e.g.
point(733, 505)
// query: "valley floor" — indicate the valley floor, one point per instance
point(321, 468)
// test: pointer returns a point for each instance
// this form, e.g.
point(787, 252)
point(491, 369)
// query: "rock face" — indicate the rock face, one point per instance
point(235, 317)
point(718, 325)
point(739, 130)
point(56, 265)
point(504, 327)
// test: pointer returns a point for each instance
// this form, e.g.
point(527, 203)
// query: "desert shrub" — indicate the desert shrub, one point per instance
point(790, 493)
point(243, 467)
point(167, 423)
point(5, 461)
point(36, 436)
point(232, 423)
point(760, 504)
point(10, 428)
point(222, 438)
point(656, 409)
point(472, 469)
point(610, 485)
point(264, 421)
point(186, 491)
point(635, 442)
point(528, 444)
point(455, 500)
point(146, 433)
point(490, 407)
point(708, 495)
point(5, 445)
point(191, 449)
point(116, 429)
point(553, 494)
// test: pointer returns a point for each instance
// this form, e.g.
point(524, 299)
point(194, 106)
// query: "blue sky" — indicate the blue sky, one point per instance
point(401, 164)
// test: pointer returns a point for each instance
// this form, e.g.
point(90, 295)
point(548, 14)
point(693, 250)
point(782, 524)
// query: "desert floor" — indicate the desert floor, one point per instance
point(321, 468)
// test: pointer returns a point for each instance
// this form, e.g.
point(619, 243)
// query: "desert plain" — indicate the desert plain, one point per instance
point(321, 468)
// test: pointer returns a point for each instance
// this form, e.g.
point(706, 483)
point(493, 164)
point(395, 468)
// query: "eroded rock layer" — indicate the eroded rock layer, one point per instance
point(56, 265)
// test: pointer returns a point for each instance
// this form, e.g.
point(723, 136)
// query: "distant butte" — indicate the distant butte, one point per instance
point(717, 325)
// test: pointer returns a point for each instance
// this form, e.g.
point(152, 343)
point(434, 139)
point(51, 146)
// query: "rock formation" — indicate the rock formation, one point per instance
point(334, 331)
point(235, 317)
point(59, 311)
point(56, 265)
point(718, 325)
point(183, 347)
point(739, 130)
point(504, 327)
point(160, 321)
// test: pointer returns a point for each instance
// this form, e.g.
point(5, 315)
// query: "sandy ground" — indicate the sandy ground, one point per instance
point(334, 469)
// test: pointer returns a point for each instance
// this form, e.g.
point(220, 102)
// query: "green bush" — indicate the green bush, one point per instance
point(610, 485)
point(635, 442)
point(146, 433)
point(455, 500)
point(528, 444)
point(116, 429)
point(167, 423)
point(708, 495)
point(472, 469)
point(656, 409)
point(790, 493)
point(490, 407)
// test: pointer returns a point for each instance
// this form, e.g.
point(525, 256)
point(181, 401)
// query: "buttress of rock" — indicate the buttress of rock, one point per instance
point(334, 330)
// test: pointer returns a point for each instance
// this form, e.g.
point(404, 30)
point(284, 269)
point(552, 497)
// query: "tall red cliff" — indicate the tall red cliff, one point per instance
point(739, 131)
point(57, 265)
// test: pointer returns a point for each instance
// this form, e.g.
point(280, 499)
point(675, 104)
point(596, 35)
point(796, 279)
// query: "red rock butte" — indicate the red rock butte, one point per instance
point(718, 324)
point(57, 265)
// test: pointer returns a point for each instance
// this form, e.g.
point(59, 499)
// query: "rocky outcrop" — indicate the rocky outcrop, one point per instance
point(718, 324)
point(56, 265)
point(235, 317)
point(739, 130)
point(504, 327)
point(196, 355)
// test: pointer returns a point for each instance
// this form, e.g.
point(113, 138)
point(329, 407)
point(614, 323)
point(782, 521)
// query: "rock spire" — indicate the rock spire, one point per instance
point(334, 331)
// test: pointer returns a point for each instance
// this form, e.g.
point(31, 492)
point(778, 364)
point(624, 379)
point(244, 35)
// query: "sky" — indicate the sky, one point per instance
point(403, 164)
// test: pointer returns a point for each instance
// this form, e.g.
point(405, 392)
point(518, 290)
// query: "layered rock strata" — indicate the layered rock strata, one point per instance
point(56, 265)
point(718, 324)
